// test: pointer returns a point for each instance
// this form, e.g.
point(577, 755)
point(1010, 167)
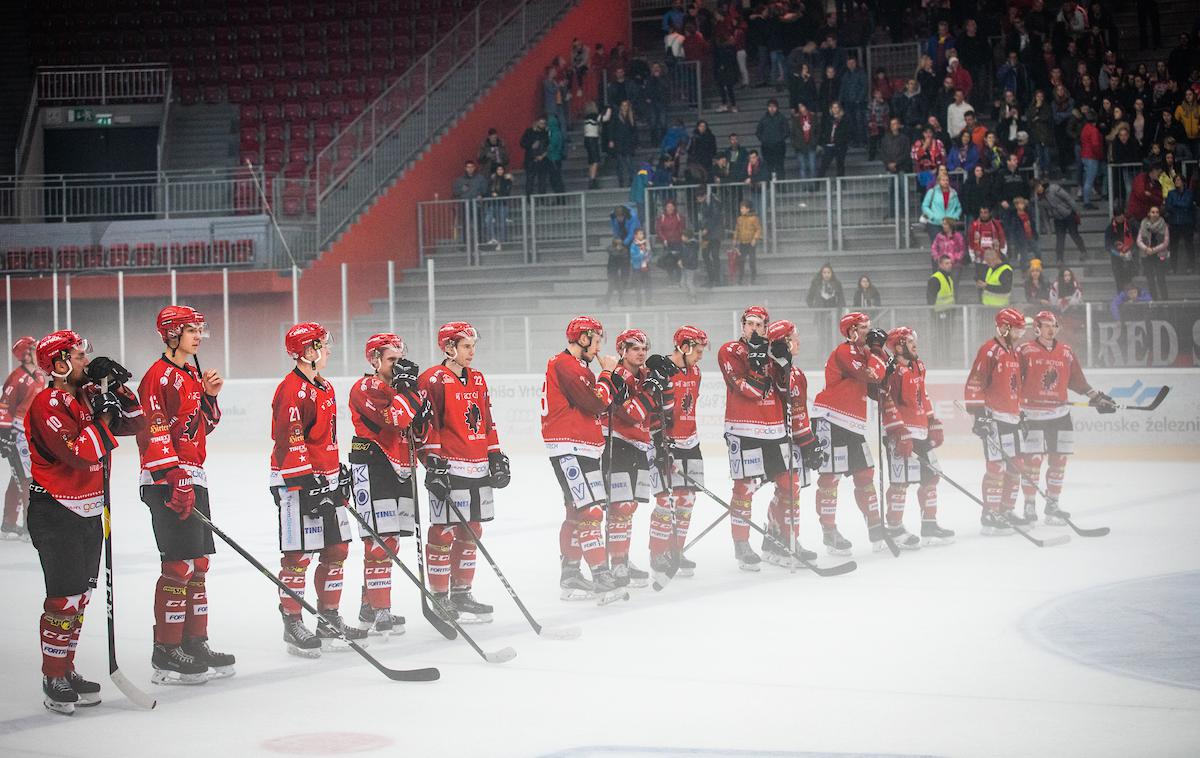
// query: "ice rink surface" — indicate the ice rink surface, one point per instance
point(988, 647)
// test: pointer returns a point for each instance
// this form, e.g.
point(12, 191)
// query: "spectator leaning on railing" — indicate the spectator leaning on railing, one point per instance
point(1154, 242)
point(1130, 294)
point(1119, 240)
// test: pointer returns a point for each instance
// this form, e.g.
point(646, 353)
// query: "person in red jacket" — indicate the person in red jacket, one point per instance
point(913, 432)
point(992, 395)
point(1048, 369)
point(385, 408)
point(854, 369)
point(71, 429)
point(1145, 194)
point(310, 489)
point(572, 400)
point(21, 386)
point(1092, 152)
point(985, 233)
point(182, 410)
point(463, 464)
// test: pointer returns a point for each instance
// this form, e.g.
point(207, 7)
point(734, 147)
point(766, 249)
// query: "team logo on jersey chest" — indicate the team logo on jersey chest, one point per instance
point(1050, 379)
point(1012, 383)
point(474, 417)
point(685, 402)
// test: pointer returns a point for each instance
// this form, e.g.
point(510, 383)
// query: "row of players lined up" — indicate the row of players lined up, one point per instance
point(615, 440)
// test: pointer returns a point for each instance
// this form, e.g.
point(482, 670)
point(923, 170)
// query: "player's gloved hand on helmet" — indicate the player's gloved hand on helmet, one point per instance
point(499, 470)
point(106, 406)
point(982, 428)
point(902, 442)
point(102, 367)
point(8, 441)
point(661, 364)
point(876, 339)
point(404, 375)
point(781, 353)
point(757, 353)
point(1102, 402)
point(437, 477)
point(183, 497)
point(937, 435)
point(812, 452)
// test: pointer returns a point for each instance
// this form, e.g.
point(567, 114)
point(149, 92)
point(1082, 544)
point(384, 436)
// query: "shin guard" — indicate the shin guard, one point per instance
point(171, 601)
point(462, 555)
point(741, 508)
point(195, 626)
point(993, 485)
point(620, 524)
point(661, 529)
point(438, 550)
point(865, 495)
point(1032, 465)
point(927, 498)
point(76, 628)
point(568, 537)
point(1056, 470)
point(685, 500)
point(328, 576)
point(55, 630)
point(827, 489)
point(293, 568)
point(896, 495)
point(590, 537)
point(377, 572)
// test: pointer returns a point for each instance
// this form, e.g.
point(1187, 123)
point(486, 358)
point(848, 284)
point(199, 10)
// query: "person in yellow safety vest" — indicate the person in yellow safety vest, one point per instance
point(939, 289)
point(995, 288)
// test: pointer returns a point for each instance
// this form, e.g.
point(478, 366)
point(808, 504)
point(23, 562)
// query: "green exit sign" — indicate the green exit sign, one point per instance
point(104, 119)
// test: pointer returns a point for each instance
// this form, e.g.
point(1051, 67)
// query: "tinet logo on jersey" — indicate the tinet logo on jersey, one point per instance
point(1136, 393)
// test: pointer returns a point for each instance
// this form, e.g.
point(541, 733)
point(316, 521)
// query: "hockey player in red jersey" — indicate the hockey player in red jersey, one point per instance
point(632, 462)
point(463, 464)
point(783, 519)
point(311, 491)
point(992, 395)
point(71, 429)
point(913, 432)
point(673, 509)
point(854, 369)
point(385, 407)
point(573, 398)
point(25, 381)
point(1048, 369)
point(181, 409)
point(754, 425)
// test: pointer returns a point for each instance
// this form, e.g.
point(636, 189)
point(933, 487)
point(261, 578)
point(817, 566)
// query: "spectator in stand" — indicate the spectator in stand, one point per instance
point(673, 18)
point(669, 228)
point(624, 222)
point(977, 131)
point(995, 288)
point(881, 82)
point(656, 97)
point(552, 94)
point(802, 88)
point(1037, 288)
point(1146, 193)
point(1187, 115)
point(495, 210)
point(1014, 75)
point(642, 179)
point(673, 47)
point(985, 233)
point(865, 294)
point(976, 55)
point(1062, 107)
point(927, 154)
point(956, 113)
point(556, 150)
point(1091, 152)
point(896, 156)
point(1021, 233)
point(536, 142)
point(1124, 152)
point(1041, 130)
point(1059, 207)
point(493, 152)
point(878, 116)
point(940, 202)
point(755, 170)
point(960, 78)
point(853, 94)
point(725, 63)
point(621, 88)
point(949, 244)
point(746, 236)
point(593, 126)
point(943, 99)
point(991, 156)
point(940, 293)
point(977, 191)
point(1154, 242)
point(737, 157)
point(689, 262)
point(674, 142)
point(963, 156)
point(825, 291)
point(711, 234)
point(1130, 294)
point(702, 149)
point(835, 139)
point(623, 142)
point(909, 107)
point(1180, 212)
point(937, 47)
point(580, 58)
point(804, 140)
point(469, 186)
point(1066, 295)
point(773, 131)
point(1119, 239)
point(827, 90)
point(640, 255)
point(927, 80)
point(1009, 183)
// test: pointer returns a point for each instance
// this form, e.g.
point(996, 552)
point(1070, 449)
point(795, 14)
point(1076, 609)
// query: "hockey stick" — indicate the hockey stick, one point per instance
point(396, 675)
point(1060, 539)
point(882, 497)
point(667, 476)
point(550, 633)
point(17, 469)
point(841, 568)
point(435, 620)
point(710, 527)
point(1157, 401)
point(793, 510)
point(500, 656)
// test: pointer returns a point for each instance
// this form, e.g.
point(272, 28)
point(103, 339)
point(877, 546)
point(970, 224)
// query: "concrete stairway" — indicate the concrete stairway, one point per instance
point(200, 136)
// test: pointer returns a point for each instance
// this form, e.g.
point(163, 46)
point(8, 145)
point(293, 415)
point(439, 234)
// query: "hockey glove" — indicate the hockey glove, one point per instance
point(812, 453)
point(937, 435)
point(183, 497)
point(316, 498)
point(661, 364)
point(902, 444)
point(422, 417)
point(616, 386)
point(1102, 402)
point(101, 368)
point(656, 384)
point(876, 339)
point(1022, 427)
point(437, 477)
point(757, 351)
point(345, 484)
point(781, 353)
point(499, 471)
point(107, 403)
point(404, 375)
point(982, 428)
point(8, 442)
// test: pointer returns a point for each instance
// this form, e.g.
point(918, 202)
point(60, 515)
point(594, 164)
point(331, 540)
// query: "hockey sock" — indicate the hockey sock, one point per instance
point(1012, 483)
point(660, 526)
point(12, 503)
point(438, 556)
point(685, 500)
point(377, 572)
point(993, 485)
point(896, 495)
point(620, 524)
point(741, 508)
point(865, 495)
point(827, 485)
point(589, 536)
point(462, 556)
point(292, 570)
point(1056, 469)
point(927, 497)
point(785, 506)
point(195, 626)
point(328, 576)
point(1032, 465)
point(76, 628)
point(171, 601)
point(568, 536)
point(55, 630)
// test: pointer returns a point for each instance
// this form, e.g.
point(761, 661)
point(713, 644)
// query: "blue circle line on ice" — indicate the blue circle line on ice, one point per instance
point(1147, 628)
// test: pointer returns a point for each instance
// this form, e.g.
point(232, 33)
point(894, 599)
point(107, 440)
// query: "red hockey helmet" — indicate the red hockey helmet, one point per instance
point(895, 336)
point(780, 330)
point(304, 335)
point(1010, 317)
point(174, 318)
point(58, 346)
point(580, 325)
point(1045, 317)
point(690, 335)
point(452, 332)
point(857, 318)
point(632, 337)
point(377, 343)
point(23, 345)
point(756, 311)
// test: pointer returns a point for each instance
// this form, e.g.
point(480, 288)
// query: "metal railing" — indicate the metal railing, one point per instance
point(867, 203)
point(394, 129)
point(558, 221)
point(103, 85)
point(899, 60)
point(686, 82)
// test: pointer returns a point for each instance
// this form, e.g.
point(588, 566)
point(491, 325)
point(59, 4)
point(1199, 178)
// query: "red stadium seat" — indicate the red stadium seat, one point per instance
point(219, 252)
point(271, 113)
point(195, 254)
point(293, 111)
point(314, 109)
point(213, 95)
point(68, 258)
point(145, 255)
point(93, 256)
point(237, 93)
point(243, 251)
point(41, 258)
point(16, 259)
point(272, 71)
point(169, 254)
point(118, 256)
point(248, 72)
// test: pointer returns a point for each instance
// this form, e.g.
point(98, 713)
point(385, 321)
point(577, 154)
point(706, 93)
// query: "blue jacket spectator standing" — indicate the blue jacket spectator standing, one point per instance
point(853, 94)
point(941, 201)
point(1180, 210)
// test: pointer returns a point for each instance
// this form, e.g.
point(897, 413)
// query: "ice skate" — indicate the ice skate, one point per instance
point(172, 665)
point(1056, 516)
point(1012, 518)
point(747, 559)
point(573, 584)
point(300, 640)
point(88, 692)
point(379, 621)
point(335, 634)
point(220, 665)
point(470, 610)
point(1031, 512)
point(904, 539)
point(620, 572)
point(605, 588)
point(835, 543)
point(58, 695)
point(687, 567)
point(443, 608)
point(637, 577)
point(994, 525)
point(932, 534)
point(12, 532)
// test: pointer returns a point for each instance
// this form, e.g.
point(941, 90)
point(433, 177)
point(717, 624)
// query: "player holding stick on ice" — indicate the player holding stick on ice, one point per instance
point(21, 386)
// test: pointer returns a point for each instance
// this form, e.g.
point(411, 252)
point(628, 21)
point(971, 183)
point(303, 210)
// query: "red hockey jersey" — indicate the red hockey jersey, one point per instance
point(382, 415)
point(801, 424)
point(462, 430)
point(304, 430)
point(572, 401)
point(1046, 375)
point(180, 416)
point(749, 411)
point(848, 371)
point(633, 420)
point(66, 445)
point(685, 393)
point(20, 388)
point(994, 382)
point(905, 402)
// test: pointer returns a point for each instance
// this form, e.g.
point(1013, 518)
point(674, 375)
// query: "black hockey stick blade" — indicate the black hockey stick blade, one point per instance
point(891, 543)
point(838, 570)
point(1099, 531)
point(397, 675)
point(436, 622)
point(1157, 401)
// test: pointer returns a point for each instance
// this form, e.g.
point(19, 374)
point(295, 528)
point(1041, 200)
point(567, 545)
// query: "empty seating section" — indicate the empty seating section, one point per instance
point(142, 255)
point(299, 70)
